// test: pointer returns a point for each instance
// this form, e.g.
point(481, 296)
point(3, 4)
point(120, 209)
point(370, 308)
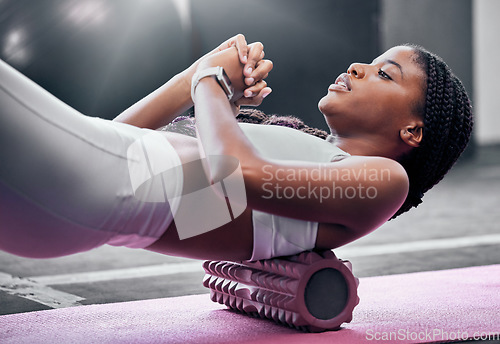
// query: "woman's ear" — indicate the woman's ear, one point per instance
point(412, 134)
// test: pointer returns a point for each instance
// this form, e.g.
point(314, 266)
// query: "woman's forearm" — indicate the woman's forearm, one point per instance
point(218, 130)
point(162, 106)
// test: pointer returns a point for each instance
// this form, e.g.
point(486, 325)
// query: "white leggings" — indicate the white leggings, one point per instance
point(65, 184)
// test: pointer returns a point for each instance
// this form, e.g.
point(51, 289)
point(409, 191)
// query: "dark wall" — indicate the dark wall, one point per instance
point(441, 26)
point(310, 43)
point(101, 56)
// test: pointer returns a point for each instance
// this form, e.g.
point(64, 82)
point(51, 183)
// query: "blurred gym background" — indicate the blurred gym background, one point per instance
point(101, 56)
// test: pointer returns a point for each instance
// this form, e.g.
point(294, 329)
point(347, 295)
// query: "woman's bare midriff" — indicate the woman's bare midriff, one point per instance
point(233, 241)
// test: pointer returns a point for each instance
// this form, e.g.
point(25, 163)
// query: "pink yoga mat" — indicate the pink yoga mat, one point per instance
point(419, 307)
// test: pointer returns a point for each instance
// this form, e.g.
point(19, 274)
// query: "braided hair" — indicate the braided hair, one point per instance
point(248, 115)
point(186, 124)
point(448, 121)
point(447, 116)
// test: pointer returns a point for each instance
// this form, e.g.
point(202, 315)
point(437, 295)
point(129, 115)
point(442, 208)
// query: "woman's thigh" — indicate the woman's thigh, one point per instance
point(72, 168)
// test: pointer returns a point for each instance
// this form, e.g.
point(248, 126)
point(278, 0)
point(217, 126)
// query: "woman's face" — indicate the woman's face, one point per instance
point(376, 98)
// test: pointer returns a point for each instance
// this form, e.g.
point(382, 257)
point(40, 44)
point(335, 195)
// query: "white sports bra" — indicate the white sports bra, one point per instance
point(274, 235)
point(283, 143)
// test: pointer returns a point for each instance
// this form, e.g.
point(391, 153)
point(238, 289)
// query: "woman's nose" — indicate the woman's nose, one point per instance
point(357, 70)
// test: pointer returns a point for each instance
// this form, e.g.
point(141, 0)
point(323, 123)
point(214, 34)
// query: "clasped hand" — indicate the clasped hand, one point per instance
point(246, 67)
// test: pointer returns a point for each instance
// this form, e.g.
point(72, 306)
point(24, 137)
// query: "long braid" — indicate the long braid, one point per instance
point(448, 124)
point(186, 124)
point(249, 115)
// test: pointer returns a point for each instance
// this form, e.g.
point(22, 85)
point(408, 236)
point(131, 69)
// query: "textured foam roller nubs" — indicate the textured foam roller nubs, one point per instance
point(312, 291)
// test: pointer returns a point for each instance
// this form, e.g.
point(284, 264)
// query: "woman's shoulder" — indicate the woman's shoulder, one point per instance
point(387, 175)
point(367, 164)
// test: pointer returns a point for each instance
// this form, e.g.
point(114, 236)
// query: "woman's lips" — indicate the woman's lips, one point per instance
point(342, 83)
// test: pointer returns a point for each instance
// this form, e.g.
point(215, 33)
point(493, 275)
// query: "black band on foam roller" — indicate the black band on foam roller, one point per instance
point(311, 291)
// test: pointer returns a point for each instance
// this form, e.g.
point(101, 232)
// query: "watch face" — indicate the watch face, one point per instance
point(225, 83)
point(226, 78)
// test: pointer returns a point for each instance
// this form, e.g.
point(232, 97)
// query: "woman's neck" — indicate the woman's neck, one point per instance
point(366, 146)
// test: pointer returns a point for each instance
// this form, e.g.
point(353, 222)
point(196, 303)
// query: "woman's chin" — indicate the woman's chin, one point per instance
point(321, 105)
point(326, 107)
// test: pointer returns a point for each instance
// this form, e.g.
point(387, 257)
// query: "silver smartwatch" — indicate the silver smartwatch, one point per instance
point(220, 76)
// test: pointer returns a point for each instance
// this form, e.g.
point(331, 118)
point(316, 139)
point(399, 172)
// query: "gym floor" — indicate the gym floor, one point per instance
point(457, 225)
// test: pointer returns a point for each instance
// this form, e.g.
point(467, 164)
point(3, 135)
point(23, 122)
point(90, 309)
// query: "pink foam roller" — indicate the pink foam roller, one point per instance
point(312, 291)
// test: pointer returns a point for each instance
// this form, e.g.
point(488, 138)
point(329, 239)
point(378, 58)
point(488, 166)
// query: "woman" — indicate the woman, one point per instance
point(398, 125)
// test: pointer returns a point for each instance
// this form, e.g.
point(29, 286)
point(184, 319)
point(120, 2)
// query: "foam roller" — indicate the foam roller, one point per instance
point(311, 291)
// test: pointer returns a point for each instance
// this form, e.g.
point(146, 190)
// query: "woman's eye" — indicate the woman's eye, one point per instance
point(384, 74)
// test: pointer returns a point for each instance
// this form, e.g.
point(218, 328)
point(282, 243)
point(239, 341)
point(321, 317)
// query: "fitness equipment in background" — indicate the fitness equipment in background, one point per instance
point(311, 291)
